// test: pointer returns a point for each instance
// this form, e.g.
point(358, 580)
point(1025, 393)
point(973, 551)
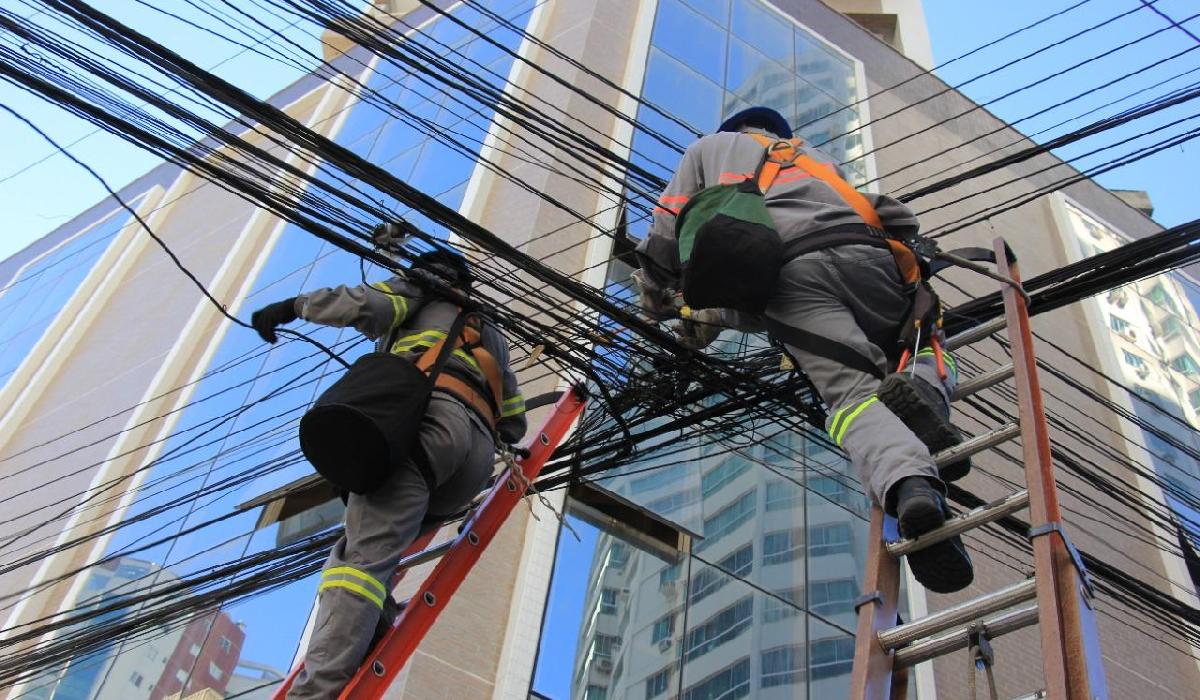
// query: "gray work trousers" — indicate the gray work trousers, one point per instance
point(379, 527)
point(854, 295)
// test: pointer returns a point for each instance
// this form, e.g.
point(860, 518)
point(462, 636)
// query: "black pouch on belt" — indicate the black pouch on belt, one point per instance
point(364, 427)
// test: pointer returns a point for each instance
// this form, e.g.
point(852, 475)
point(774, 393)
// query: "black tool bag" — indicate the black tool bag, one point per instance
point(364, 427)
point(729, 249)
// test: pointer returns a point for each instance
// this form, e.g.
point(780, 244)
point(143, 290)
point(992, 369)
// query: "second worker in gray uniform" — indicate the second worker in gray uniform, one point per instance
point(456, 435)
point(851, 294)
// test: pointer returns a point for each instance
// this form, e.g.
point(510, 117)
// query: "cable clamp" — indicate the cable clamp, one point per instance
point(1077, 560)
point(981, 657)
point(872, 597)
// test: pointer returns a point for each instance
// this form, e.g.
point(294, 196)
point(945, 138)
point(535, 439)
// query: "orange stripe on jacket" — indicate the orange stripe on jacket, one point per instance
point(674, 211)
point(730, 178)
point(790, 175)
point(680, 198)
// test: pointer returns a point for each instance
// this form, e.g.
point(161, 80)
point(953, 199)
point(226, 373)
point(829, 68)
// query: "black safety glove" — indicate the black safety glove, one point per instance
point(271, 316)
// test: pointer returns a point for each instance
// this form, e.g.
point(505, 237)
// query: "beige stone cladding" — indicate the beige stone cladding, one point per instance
point(76, 418)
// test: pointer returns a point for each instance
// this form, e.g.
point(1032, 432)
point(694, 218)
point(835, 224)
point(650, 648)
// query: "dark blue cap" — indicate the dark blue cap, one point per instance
point(763, 117)
point(446, 264)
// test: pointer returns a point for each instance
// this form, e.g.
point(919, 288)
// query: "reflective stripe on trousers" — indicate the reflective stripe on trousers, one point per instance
point(356, 581)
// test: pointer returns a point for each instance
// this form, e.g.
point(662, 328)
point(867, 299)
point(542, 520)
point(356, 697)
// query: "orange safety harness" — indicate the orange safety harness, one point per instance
point(925, 316)
point(469, 340)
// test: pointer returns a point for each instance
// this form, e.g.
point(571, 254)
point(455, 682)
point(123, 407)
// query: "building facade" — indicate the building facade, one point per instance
point(139, 411)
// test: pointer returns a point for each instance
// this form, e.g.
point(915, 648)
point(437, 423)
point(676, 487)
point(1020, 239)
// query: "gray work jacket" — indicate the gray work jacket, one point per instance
point(799, 205)
point(401, 318)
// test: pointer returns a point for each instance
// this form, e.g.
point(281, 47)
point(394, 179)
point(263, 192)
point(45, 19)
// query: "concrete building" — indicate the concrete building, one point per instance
point(124, 388)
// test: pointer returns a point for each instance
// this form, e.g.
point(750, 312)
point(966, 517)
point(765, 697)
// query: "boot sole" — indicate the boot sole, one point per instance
point(927, 424)
point(944, 567)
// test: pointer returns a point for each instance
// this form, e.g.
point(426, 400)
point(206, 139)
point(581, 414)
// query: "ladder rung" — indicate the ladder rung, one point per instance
point(979, 443)
point(976, 517)
point(1036, 695)
point(977, 333)
point(426, 555)
point(954, 640)
point(958, 614)
point(983, 381)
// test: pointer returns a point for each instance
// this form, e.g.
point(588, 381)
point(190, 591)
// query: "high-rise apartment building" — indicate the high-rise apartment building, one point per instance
point(152, 415)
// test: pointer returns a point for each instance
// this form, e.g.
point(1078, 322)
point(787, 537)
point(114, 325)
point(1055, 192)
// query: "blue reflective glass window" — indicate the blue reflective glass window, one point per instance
point(721, 628)
point(821, 67)
point(31, 300)
point(832, 597)
point(440, 169)
point(718, 10)
point(760, 81)
point(402, 165)
point(485, 52)
point(691, 38)
point(783, 665)
point(395, 138)
point(682, 92)
point(729, 683)
point(763, 29)
point(831, 657)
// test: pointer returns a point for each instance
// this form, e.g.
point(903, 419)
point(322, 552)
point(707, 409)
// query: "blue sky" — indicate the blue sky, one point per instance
point(956, 27)
point(40, 190)
point(564, 610)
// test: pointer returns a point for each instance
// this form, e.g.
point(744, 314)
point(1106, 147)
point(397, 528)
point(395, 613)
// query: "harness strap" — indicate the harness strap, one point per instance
point(467, 337)
point(825, 347)
point(849, 234)
point(467, 394)
point(779, 155)
point(488, 365)
point(906, 259)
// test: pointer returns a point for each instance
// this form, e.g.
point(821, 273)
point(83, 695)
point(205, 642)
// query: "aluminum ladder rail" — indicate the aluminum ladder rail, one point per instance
point(1058, 597)
point(456, 559)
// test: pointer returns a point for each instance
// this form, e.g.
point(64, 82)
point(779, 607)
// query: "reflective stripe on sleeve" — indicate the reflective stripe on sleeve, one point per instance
point(427, 339)
point(399, 305)
point(513, 406)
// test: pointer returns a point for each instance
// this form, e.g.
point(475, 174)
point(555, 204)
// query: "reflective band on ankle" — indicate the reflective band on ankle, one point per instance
point(843, 418)
point(946, 357)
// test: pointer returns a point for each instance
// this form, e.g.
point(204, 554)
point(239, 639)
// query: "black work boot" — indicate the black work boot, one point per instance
point(387, 618)
point(943, 567)
point(920, 406)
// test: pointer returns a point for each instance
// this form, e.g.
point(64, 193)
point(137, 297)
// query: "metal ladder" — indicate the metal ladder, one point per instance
point(1058, 597)
point(456, 556)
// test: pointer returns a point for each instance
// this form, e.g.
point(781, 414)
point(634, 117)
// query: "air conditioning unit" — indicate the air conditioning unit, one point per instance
point(669, 588)
point(1143, 372)
point(1118, 297)
point(665, 643)
point(604, 665)
point(1129, 334)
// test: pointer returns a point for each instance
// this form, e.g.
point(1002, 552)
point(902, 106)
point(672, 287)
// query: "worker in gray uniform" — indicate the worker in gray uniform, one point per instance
point(837, 309)
point(455, 440)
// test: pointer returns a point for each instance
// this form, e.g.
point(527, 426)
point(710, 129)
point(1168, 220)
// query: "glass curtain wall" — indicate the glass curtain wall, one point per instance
point(31, 300)
point(762, 604)
point(1155, 331)
point(237, 437)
